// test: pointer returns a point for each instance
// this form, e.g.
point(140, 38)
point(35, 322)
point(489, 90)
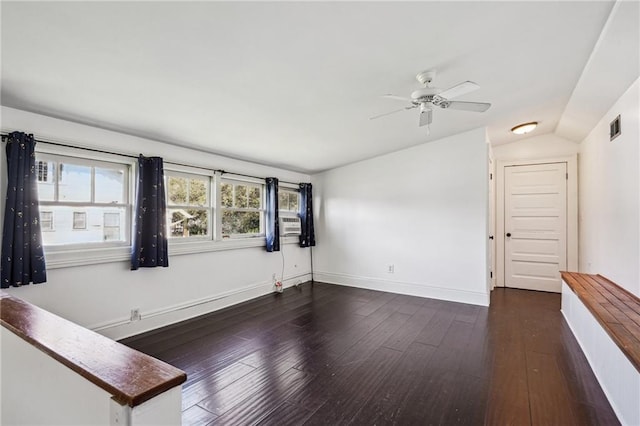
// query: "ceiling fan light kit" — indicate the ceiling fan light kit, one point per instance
point(524, 128)
point(428, 97)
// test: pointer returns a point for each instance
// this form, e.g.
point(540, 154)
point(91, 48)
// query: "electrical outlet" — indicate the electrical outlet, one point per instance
point(391, 268)
point(135, 314)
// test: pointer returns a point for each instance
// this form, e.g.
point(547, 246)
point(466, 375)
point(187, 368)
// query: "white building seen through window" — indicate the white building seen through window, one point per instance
point(82, 201)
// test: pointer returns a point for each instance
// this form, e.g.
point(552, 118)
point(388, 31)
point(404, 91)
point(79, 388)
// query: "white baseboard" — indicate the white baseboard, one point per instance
point(411, 289)
point(150, 320)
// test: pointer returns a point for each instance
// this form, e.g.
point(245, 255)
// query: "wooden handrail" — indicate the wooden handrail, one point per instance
point(130, 376)
point(616, 309)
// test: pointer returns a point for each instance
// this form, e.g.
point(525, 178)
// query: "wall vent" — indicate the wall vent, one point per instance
point(614, 128)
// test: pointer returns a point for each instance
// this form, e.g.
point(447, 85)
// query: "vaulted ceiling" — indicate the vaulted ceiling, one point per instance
point(294, 84)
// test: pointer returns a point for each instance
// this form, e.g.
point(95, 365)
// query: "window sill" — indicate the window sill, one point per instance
point(82, 257)
point(191, 247)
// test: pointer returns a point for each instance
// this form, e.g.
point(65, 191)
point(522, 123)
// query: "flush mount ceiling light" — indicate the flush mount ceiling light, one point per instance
point(523, 128)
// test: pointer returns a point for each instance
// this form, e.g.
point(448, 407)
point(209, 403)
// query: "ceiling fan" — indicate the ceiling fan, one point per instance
point(428, 97)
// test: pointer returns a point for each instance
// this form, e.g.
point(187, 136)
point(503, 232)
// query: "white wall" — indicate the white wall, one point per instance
point(101, 296)
point(610, 196)
point(28, 399)
point(423, 210)
point(534, 147)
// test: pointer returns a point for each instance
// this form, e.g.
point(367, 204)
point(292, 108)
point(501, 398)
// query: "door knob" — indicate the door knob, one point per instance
point(508, 234)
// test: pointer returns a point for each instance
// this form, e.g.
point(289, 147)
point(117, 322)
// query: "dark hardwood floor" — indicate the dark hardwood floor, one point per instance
point(323, 354)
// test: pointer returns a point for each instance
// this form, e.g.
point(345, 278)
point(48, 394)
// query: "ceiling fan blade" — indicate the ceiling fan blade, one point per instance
point(397, 98)
point(391, 112)
point(459, 90)
point(426, 116)
point(466, 106)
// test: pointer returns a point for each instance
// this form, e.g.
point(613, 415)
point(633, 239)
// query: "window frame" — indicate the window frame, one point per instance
point(288, 239)
point(289, 190)
point(87, 253)
point(191, 172)
point(239, 181)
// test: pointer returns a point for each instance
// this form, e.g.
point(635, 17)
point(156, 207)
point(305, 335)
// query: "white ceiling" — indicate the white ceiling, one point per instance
point(294, 84)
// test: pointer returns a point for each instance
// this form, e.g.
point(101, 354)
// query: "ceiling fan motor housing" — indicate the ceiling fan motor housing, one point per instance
point(426, 77)
point(424, 95)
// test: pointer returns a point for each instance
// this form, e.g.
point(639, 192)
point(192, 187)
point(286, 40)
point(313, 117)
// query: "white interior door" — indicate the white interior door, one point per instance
point(535, 225)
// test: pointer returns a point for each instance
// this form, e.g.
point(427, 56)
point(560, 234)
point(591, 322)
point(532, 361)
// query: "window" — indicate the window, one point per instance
point(188, 204)
point(46, 221)
point(288, 200)
point(85, 202)
point(111, 228)
point(288, 203)
point(241, 206)
point(82, 194)
point(43, 171)
point(79, 220)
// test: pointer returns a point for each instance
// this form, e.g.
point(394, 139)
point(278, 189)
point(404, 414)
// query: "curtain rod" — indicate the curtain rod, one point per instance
point(254, 177)
point(6, 135)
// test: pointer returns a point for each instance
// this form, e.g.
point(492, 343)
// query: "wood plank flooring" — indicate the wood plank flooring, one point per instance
point(323, 354)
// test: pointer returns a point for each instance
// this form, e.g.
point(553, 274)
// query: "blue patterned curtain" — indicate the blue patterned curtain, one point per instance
point(272, 225)
point(149, 248)
point(22, 253)
point(308, 235)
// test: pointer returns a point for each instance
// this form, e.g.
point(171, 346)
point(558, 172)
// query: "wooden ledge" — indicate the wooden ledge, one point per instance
point(130, 376)
point(616, 309)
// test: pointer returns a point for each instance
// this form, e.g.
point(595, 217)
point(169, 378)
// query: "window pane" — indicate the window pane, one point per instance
point(177, 190)
point(241, 196)
point(111, 219)
point(234, 223)
point(112, 233)
point(226, 195)
point(74, 182)
point(111, 229)
point(46, 185)
point(100, 223)
point(254, 197)
point(109, 185)
point(283, 200)
point(293, 201)
point(198, 192)
point(45, 171)
point(288, 201)
point(188, 223)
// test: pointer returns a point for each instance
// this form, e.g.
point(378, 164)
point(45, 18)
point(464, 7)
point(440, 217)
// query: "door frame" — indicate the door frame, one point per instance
point(572, 210)
point(492, 224)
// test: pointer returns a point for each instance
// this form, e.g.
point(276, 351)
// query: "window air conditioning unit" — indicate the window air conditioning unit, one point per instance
point(290, 226)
